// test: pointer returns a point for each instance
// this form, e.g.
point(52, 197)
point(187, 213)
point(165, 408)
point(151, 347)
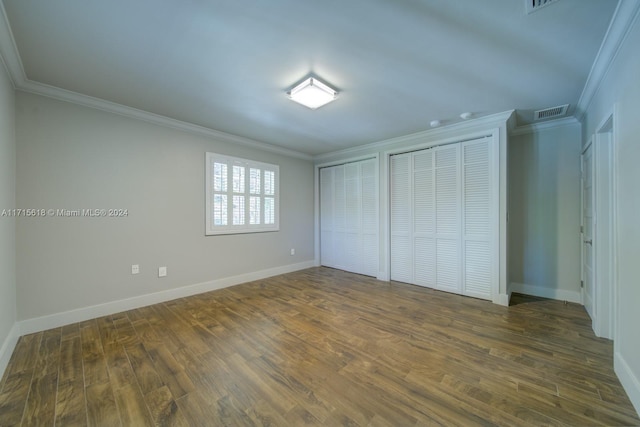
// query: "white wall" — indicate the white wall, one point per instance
point(7, 224)
point(73, 157)
point(620, 89)
point(544, 212)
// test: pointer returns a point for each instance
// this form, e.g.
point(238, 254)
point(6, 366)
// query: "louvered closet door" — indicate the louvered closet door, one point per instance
point(401, 218)
point(326, 217)
point(349, 217)
point(424, 219)
point(479, 219)
point(444, 217)
point(369, 222)
point(447, 200)
point(352, 238)
point(339, 218)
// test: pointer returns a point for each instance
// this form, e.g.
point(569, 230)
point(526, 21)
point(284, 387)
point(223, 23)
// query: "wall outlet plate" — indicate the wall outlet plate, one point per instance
point(162, 271)
point(135, 269)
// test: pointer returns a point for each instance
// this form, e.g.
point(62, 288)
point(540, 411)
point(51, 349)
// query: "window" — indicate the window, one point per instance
point(242, 195)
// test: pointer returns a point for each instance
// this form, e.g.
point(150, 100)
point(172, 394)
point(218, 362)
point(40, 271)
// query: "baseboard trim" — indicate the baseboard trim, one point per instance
point(503, 299)
point(539, 291)
point(629, 381)
point(43, 323)
point(6, 350)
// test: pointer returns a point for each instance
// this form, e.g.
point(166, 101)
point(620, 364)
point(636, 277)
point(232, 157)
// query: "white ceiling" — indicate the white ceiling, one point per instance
point(398, 64)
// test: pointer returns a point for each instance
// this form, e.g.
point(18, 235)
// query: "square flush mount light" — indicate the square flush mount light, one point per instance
point(312, 93)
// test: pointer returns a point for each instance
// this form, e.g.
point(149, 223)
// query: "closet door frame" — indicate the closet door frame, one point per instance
point(499, 288)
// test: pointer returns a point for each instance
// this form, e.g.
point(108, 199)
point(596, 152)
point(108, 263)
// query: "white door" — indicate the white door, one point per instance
point(444, 218)
point(448, 216)
point(401, 218)
point(480, 218)
point(588, 220)
point(349, 217)
point(327, 254)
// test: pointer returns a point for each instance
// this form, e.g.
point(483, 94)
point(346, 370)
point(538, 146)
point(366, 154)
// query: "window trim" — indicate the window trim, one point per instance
point(246, 227)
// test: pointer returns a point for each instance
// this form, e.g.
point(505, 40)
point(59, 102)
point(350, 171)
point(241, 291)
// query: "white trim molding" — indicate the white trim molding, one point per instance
point(624, 16)
point(544, 292)
point(86, 313)
point(9, 51)
point(503, 299)
point(122, 110)
point(444, 132)
point(538, 127)
point(10, 55)
point(7, 347)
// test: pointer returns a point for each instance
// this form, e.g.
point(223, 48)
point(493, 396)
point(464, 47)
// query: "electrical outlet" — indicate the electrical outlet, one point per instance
point(135, 269)
point(293, 251)
point(162, 271)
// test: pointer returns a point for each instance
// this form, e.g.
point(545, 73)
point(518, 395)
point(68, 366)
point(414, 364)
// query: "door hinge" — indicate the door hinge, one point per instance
point(581, 229)
point(582, 283)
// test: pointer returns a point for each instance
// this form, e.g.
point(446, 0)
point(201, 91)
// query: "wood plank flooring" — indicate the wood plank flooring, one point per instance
point(319, 347)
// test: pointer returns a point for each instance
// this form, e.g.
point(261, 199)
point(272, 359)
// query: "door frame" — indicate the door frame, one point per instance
point(590, 145)
point(604, 229)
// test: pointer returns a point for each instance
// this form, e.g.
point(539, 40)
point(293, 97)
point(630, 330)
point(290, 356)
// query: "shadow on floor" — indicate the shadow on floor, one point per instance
point(517, 298)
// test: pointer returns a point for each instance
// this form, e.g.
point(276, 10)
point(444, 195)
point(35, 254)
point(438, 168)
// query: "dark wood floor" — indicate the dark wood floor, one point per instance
point(323, 347)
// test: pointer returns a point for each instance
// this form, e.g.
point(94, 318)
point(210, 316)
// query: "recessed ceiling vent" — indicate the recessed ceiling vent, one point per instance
point(535, 5)
point(551, 113)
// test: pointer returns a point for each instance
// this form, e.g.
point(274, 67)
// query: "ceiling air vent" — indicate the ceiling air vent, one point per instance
point(551, 113)
point(535, 5)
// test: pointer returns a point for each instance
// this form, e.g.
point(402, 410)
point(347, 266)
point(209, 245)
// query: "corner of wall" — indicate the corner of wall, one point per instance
point(503, 299)
point(7, 347)
point(629, 381)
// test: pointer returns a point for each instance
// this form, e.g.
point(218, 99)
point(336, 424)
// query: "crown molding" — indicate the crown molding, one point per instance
point(624, 17)
point(112, 107)
point(537, 127)
point(9, 52)
point(10, 56)
point(430, 134)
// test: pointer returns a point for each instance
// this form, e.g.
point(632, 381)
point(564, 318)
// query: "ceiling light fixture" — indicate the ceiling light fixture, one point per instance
point(466, 116)
point(435, 123)
point(312, 93)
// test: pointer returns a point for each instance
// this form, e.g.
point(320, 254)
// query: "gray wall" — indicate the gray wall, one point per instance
point(544, 212)
point(621, 89)
point(73, 157)
point(7, 201)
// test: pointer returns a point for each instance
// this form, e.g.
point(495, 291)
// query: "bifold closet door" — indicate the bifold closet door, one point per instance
point(480, 218)
point(425, 218)
point(349, 217)
point(401, 218)
point(442, 214)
